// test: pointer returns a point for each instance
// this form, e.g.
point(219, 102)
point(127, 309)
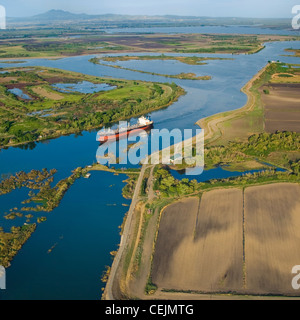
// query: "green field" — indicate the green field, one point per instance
point(50, 113)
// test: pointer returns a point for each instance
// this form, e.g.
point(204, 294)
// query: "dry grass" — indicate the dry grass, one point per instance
point(7, 79)
point(290, 78)
point(42, 92)
point(272, 228)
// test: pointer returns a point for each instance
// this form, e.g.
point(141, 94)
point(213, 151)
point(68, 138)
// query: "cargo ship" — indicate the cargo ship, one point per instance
point(143, 123)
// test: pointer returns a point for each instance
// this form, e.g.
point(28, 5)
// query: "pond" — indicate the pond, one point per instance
point(215, 173)
point(19, 92)
point(82, 87)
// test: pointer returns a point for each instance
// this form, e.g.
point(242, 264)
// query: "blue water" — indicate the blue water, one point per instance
point(87, 218)
point(85, 229)
point(215, 173)
point(82, 87)
point(10, 201)
point(18, 92)
point(205, 30)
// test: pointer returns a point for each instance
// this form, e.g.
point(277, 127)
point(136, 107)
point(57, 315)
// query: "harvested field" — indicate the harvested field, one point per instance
point(230, 242)
point(42, 92)
point(7, 79)
point(282, 107)
point(201, 248)
point(272, 229)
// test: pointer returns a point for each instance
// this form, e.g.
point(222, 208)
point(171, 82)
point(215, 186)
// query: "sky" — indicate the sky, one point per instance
point(213, 8)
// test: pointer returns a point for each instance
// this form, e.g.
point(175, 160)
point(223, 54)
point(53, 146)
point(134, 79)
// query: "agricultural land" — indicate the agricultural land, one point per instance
point(230, 238)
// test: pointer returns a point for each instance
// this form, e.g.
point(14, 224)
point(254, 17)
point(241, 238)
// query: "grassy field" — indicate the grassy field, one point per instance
point(47, 112)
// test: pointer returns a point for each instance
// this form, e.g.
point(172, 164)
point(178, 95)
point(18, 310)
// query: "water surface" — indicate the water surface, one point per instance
point(82, 87)
point(19, 93)
point(85, 225)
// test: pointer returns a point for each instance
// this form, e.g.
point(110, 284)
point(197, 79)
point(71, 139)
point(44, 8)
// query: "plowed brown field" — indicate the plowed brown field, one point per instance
point(231, 242)
point(201, 248)
point(282, 107)
point(272, 241)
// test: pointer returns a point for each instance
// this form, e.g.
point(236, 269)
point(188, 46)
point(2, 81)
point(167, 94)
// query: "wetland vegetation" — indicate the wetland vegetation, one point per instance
point(50, 113)
point(183, 75)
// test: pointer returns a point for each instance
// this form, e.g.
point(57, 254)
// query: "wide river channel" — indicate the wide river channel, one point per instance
point(83, 230)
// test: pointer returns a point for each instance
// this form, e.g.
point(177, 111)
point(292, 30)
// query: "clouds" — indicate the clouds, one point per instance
point(216, 8)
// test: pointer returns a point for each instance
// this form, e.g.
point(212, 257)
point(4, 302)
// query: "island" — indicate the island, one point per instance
point(41, 103)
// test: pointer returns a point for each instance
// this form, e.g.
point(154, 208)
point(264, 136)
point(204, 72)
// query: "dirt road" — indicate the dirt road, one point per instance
point(108, 292)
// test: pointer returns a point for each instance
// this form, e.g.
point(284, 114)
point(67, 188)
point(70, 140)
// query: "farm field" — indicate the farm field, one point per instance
point(230, 241)
point(188, 254)
point(272, 224)
point(282, 107)
point(273, 105)
point(40, 47)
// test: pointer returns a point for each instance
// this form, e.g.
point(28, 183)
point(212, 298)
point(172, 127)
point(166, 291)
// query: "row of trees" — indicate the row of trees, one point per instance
point(168, 186)
point(257, 146)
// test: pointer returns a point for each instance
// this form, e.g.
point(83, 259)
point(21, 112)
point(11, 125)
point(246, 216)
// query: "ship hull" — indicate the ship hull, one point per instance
point(120, 135)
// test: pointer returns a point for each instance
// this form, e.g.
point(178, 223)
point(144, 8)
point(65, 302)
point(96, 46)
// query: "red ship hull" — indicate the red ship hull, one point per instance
point(119, 135)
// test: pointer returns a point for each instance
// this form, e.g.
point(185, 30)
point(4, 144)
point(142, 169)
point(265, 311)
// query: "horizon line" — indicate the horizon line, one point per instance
point(149, 15)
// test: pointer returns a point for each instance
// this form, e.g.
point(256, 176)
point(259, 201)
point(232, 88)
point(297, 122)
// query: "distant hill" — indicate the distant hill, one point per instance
point(53, 15)
point(61, 15)
point(57, 16)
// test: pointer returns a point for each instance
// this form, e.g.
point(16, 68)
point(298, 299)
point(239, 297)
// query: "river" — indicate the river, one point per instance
point(84, 228)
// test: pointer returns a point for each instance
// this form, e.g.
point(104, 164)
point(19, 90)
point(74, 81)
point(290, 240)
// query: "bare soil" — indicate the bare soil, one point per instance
point(282, 107)
point(230, 242)
point(200, 247)
point(272, 234)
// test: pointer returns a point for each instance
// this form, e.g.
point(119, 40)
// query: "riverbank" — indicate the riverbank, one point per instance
point(216, 125)
point(132, 277)
point(253, 117)
point(44, 112)
point(181, 76)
